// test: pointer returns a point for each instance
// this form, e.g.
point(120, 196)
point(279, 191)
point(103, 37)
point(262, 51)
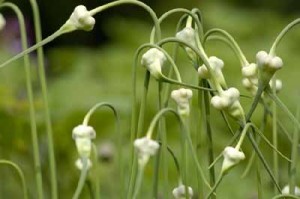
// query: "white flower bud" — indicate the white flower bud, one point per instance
point(216, 65)
point(179, 192)
point(286, 190)
point(250, 70)
point(278, 85)
point(2, 22)
point(268, 62)
point(145, 148)
point(84, 146)
point(218, 102)
point(231, 158)
point(203, 72)
point(247, 83)
point(83, 131)
point(79, 164)
point(225, 99)
point(182, 97)
point(83, 135)
point(81, 19)
point(153, 60)
point(187, 35)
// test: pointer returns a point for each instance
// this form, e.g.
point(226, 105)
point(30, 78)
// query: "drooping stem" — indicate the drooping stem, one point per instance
point(20, 174)
point(282, 34)
point(42, 77)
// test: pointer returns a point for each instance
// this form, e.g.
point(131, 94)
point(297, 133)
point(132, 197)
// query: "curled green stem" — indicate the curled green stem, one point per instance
point(20, 174)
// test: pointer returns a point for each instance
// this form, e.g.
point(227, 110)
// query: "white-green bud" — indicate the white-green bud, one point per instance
point(188, 35)
point(249, 70)
point(79, 164)
point(225, 99)
point(182, 97)
point(153, 60)
point(231, 158)
point(179, 192)
point(268, 62)
point(83, 135)
point(145, 147)
point(81, 19)
point(278, 85)
point(216, 65)
point(286, 190)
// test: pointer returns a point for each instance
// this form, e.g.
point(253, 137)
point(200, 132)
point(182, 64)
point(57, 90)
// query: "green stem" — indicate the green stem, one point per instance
point(41, 70)
point(138, 3)
point(139, 181)
point(162, 132)
point(82, 178)
point(274, 133)
point(215, 186)
point(20, 174)
point(207, 127)
point(282, 34)
point(95, 176)
point(236, 47)
point(175, 11)
point(135, 134)
point(294, 157)
point(33, 125)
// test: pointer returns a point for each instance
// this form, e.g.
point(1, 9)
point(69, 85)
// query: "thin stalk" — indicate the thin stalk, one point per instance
point(207, 128)
point(140, 128)
point(138, 3)
point(139, 181)
point(95, 176)
point(294, 157)
point(42, 77)
point(215, 186)
point(281, 105)
point(82, 178)
point(282, 34)
point(33, 125)
point(285, 196)
point(225, 34)
point(274, 134)
point(20, 174)
point(162, 132)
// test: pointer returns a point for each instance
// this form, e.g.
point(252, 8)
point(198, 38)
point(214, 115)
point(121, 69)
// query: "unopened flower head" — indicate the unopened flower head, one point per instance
point(179, 192)
point(153, 60)
point(145, 148)
point(81, 19)
point(249, 70)
point(216, 65)
point(182, 97)
point(79, 164)
point(2, 22)
point(278, 85)
point(83, 135)
point(188, 35)
point(232, 157)
point(225, 99)
point(268, 65)
point(286, 190)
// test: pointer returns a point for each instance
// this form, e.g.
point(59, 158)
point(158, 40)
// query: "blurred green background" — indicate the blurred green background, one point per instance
point(84, 68)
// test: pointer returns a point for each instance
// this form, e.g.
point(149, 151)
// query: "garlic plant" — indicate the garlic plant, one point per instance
point(211, 91)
